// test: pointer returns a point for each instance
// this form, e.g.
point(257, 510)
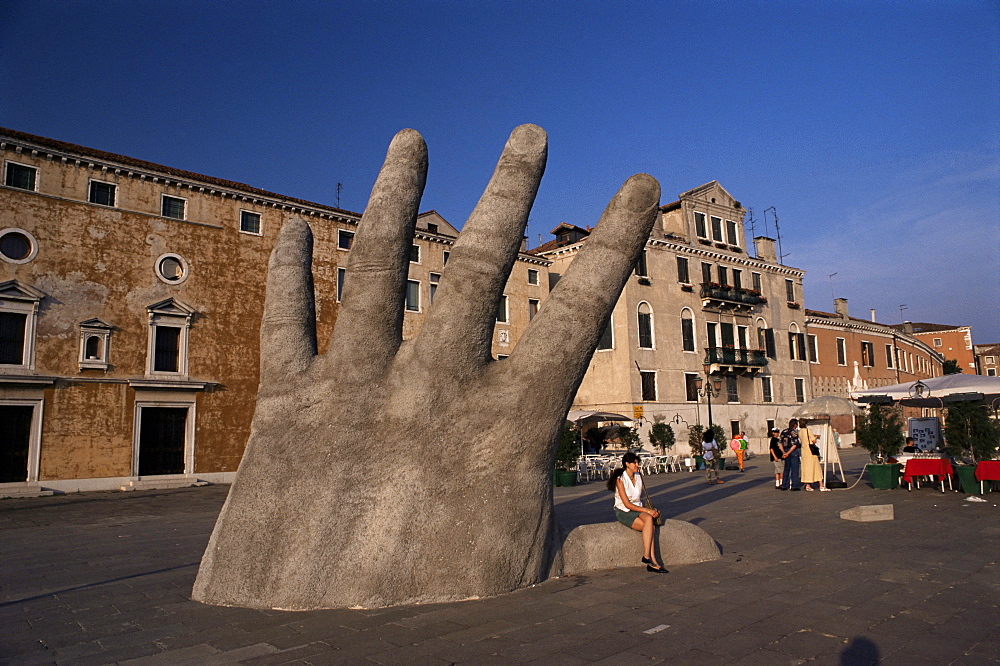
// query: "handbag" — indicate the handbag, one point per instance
point(814, 449)
point(658, 521)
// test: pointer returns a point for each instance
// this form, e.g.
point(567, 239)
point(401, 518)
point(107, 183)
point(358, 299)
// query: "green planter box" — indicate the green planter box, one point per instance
point(699, 462)
point(885, 477)
point(566, 479)
point(967, 479)
point(555, 477)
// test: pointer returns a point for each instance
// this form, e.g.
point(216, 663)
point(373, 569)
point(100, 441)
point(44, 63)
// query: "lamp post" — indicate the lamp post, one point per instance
point(709, 390)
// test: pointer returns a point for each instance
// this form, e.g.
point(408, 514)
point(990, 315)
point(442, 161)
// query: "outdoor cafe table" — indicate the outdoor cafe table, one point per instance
point(987, 470)
point(940, 467)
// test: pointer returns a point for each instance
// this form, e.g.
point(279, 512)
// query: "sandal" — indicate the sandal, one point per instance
point(809, 488)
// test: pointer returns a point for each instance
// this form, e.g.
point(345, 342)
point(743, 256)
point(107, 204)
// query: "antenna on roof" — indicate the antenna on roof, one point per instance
point(339, 186)
point(753, 224)
point(777, 230)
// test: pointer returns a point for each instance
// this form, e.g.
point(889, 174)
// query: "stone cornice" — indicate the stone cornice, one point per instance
point(873, 328)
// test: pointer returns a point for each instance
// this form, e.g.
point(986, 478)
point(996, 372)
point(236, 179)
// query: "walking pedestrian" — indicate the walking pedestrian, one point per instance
point(711, 456)
point(792, 455)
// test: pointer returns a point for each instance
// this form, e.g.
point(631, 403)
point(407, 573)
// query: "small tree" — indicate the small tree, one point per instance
point(880, 431)
point(594, 438)
point(970, 431)
point(629, 437)
point(951, 367)
point(694, 438)
point(661, 436)
point(569, 448)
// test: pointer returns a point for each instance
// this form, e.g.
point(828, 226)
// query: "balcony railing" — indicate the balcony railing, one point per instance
point(739, 358)
point(736, 296)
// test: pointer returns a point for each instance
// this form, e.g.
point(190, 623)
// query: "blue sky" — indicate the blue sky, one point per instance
point(872, 128)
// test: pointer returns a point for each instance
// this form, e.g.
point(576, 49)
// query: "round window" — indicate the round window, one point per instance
point(17, 246)
point(171, 268)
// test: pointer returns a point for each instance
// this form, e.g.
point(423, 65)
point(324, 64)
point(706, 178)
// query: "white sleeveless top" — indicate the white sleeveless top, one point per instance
point(632, 491)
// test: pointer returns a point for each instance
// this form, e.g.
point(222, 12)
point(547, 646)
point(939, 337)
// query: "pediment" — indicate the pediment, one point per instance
point(15, 291)
point(171, 306)
point(96, 323)
point(432, 217)
point(712, 191)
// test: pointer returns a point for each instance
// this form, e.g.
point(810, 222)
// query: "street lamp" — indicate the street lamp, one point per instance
point(710, 391)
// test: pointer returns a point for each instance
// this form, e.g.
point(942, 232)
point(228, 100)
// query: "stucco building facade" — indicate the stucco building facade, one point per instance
point(952, 342)
point(987, 359)
point(699, 303)
point(131, 295)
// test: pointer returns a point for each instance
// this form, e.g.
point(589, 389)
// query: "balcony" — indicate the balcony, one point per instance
point(725, 297)
point(728, 360)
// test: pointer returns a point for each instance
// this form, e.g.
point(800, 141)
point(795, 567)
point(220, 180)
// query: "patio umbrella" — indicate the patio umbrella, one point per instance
point(579, 416)
point(936, 391)
point(822, 408)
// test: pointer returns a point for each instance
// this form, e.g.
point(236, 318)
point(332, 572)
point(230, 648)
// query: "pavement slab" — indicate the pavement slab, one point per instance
point(98, 578)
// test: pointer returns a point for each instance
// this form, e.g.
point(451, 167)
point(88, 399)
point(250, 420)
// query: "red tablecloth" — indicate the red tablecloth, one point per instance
point(926, 467)
point(988, 470)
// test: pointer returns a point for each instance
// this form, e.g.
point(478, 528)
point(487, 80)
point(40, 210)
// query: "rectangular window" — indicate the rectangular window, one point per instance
point(737, 278)
point(687, 334)
point(682, 270)
point(433, 281)
point(937, 342)
point(867, 354)
point(12, 327)
point(532, 276)
point(102, 193)
point(645, 330)
point(770, 425)
point(813, 350)
point(345, 239)
point(532, 308)
point(765, 387)
point(712, 334)
point(732, 389)
point(990, 360)
point(20, 176)
point(770, 348)
point(728, 335)
point(717, 229)
point(341, 274)
point(800, 389)
point(755, 280)
point(414, 254)
point(888, 357)
point(607, 337)
point(789, 291)
point(691, 387)
point(444, 258)
point(991, 372)
point(412, 296)
point(841, 351)
point(731, 232)
point(699, 225)
point(502, 310)
point(641, 269)
point(250, 222)
point(723, 275)
point(166, 351)
point(648, 385)
point(173, 207)
point(706, 272)
point(791, 346)
point(741, 337)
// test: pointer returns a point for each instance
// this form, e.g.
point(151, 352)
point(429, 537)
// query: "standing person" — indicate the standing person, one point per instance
point(792, 454)
point(626, 482)
point(812, 471)
point(777, 457)
point(739, 446)
point(711, 456)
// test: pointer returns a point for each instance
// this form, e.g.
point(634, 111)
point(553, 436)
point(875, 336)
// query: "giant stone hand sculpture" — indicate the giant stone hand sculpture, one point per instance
point(386, 472)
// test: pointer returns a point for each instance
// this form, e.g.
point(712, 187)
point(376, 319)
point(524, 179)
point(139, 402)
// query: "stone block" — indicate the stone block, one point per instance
point(612, 545)
point(869, 513)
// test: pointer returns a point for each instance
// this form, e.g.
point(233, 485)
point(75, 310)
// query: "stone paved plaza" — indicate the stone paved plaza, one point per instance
point(105, 578)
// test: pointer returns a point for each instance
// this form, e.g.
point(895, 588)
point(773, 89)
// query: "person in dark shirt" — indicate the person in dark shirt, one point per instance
point(777, 457)
point(911, 446)
point(793, 456)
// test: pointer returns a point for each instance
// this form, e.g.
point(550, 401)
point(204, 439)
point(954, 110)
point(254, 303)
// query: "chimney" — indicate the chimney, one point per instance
point(765, 249)
point(908, 327)
point(873, 315)
point(841, 305)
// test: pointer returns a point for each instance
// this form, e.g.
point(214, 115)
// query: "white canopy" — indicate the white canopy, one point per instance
point(938, 391)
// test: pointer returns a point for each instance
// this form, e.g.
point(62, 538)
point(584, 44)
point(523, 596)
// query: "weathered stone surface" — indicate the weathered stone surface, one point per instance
point(869, 513)
point(611, 545)
point(386, 472)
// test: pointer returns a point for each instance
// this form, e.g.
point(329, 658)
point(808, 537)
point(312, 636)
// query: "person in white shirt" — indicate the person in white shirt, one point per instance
point(626, 482)
point(710, 452)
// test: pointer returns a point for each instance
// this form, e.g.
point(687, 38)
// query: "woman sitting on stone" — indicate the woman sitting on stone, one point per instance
point(626, 482)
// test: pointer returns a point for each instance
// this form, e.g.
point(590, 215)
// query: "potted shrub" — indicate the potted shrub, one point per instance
point(880, 432)
point(567, 456)
point(694, 441)
point(661, 436)
point(971, 435)
point(629, 438)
